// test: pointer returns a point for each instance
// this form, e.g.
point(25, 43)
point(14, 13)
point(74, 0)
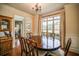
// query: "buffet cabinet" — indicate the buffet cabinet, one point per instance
point(5, 34)
point(5, 45)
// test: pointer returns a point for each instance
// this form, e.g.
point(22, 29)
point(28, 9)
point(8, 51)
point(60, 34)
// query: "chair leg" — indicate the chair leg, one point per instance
point(26, 54)
point(21, 53)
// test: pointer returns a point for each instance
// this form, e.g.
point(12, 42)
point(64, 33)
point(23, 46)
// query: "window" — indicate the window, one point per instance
point(51, 26)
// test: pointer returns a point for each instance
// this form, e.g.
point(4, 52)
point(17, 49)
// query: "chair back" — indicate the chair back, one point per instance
point(22, 44)
point(34, 51)
point(27, 47)
point(67, 46)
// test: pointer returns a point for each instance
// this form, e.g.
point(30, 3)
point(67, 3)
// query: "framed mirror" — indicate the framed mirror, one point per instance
point(4, 24)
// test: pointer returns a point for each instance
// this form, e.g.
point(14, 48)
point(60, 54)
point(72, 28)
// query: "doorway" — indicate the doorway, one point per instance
point(18, 28)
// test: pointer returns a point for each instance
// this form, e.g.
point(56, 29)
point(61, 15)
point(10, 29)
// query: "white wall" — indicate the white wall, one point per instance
point(72, 25)
point(7, 10)
point(29, 21)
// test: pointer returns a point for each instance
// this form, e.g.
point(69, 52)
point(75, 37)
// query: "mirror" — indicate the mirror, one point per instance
point(4, 24)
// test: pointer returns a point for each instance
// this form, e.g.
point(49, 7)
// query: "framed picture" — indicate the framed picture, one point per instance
point(28, 27)
point(4, 24)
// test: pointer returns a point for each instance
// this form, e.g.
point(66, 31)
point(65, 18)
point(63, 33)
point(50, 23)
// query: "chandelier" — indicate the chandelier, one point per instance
point(37, 8)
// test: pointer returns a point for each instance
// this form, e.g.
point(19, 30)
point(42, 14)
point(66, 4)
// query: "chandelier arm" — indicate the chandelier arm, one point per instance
point(37, 8)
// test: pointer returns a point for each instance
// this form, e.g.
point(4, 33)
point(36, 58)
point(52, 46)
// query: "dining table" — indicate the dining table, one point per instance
point(45, 43)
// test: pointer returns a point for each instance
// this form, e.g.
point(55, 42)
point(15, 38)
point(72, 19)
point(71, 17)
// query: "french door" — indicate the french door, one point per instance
point(50, 27)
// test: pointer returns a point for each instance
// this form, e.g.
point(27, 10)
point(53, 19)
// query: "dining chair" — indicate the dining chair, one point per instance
point(28, 47)
point(23, 50)
point(24, 46)
point(67, 47)
point(39, 52)
point(36, 51)
point(28, 35)
point(31, 46)
point(63, 52)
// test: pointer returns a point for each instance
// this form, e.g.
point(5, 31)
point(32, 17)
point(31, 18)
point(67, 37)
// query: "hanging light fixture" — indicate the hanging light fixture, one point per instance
point(37, 8)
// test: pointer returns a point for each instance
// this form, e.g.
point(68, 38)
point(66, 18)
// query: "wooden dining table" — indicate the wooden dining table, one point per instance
point(46, 43)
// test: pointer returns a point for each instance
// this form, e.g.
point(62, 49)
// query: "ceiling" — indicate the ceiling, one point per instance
point(46, 7)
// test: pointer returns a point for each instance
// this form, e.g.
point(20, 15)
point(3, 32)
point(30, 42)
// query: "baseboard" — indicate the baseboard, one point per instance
point(74, 50)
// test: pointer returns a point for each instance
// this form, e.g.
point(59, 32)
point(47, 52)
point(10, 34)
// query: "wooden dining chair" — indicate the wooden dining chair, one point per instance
point(63, 52)
point(37, 52)
point(67, 47)
point(27, 47)
point(24, 46)
point(32, 46)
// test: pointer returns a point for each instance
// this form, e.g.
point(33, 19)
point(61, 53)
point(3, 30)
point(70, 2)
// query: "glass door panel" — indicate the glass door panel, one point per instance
point(57, 27)
point(50, 26)
point(44, 27)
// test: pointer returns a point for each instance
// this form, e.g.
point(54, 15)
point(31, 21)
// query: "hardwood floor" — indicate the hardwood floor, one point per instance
point(16, 52)
point(72, 54)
